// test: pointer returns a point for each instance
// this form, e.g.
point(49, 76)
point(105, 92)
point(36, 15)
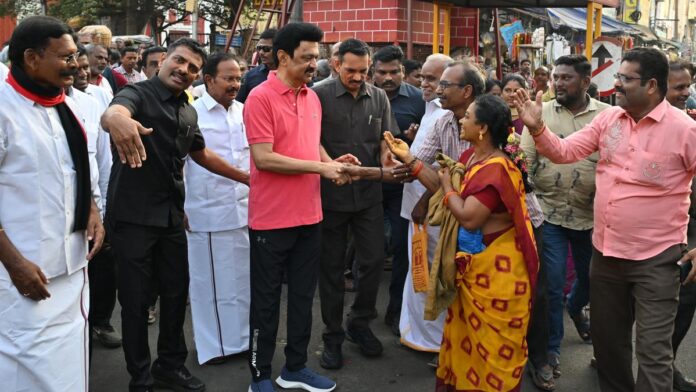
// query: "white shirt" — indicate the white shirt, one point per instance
point(414, 190)
point(97, 141)
point(215, 203)
point(102, 96)
point(104, 83)
point(4, 71)
point(38, 185)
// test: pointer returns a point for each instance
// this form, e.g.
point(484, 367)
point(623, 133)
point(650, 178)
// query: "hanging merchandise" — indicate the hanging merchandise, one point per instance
point(538, 37)
point(556, 46)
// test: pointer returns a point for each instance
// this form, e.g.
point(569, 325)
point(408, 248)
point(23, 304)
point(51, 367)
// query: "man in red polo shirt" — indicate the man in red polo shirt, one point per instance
point(283, 120)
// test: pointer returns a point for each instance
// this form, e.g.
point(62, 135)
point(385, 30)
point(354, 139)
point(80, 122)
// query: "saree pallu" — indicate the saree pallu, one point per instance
point(484, 342)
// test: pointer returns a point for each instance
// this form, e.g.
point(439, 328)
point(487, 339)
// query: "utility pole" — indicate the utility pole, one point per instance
point(297, 11)
point(676, 21)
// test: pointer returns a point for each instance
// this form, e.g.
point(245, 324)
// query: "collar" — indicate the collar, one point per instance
point(341, 89)
point(435, 102)
point(658, 112)
point(591, 106)
point(121, 68)
point(99, 79)
point(404, 90)
point(209, 102)
point(163, 92)
point(280, 87)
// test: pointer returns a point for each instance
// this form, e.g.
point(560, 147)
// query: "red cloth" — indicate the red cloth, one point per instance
point(498, 176)
point(291, 122)
point(43, 101)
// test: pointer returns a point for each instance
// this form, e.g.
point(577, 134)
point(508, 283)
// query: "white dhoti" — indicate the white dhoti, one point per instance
point(416, 332)
point(44, 345)
point(220, 291)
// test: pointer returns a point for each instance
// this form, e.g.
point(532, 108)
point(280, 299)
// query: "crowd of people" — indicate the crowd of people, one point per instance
point(173, 176)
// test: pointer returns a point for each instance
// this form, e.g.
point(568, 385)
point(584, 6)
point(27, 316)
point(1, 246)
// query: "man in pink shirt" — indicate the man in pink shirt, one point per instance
point(283, 121)
point(647, 159)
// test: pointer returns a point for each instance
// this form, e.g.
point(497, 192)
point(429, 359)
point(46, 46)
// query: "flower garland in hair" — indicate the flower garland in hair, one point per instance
point(513, 149)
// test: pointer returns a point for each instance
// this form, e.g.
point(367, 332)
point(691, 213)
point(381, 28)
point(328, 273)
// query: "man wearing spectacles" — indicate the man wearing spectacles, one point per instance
point(640, 217)
point(259, 74)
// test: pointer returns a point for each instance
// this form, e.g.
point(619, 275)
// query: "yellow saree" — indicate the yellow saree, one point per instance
point(484, 342)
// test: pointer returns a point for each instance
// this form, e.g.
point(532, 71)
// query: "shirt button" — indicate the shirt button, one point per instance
point(625, 168)
point(608, 226)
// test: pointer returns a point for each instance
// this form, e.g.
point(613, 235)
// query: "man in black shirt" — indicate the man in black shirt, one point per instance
point(259, 74)
point(354, 117)
point(145, 211)
point(408, 106)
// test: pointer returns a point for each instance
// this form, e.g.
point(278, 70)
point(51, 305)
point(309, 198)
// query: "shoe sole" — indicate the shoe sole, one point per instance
point(296, 384)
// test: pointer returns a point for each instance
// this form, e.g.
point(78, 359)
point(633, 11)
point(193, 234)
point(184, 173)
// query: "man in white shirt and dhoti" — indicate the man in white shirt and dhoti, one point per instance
point(416, 332)
point(216, 207)
point(47, 215)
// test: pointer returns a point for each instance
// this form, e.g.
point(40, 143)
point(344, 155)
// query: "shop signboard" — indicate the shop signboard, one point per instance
point(606, 59)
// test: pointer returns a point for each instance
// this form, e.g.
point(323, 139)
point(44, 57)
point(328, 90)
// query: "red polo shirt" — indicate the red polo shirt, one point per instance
point(274, 114)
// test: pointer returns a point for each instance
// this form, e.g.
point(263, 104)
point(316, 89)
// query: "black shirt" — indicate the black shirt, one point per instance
point(253, 78)
point(153, 195)
point(355, 126)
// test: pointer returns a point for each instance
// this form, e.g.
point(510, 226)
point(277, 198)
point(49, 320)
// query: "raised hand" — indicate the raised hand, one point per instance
point(412, 131)
point(398, 147)
point(528, 110)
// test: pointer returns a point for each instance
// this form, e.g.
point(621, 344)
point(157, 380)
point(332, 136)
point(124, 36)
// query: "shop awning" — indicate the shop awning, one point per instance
point(576, 19)
point(645, 33)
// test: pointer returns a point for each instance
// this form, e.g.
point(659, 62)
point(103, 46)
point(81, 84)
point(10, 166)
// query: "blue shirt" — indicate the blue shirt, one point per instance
point(408, 106)
point(252, 79)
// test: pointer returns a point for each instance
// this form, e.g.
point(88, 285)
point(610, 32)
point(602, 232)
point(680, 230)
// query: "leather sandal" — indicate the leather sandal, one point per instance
point(543, 377)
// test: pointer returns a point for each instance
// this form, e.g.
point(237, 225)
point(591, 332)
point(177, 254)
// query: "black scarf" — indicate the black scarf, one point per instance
point(77, 139)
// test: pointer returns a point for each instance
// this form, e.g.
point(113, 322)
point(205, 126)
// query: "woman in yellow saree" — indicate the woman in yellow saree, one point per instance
point(484, 343)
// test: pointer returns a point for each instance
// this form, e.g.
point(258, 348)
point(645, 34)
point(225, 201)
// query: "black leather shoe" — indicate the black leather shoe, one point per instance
point(683, 383)
point(332, 357)
point(179, 380)
point(369, 345)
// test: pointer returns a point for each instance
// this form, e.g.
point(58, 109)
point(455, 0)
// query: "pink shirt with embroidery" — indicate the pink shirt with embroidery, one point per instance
point(643, 177)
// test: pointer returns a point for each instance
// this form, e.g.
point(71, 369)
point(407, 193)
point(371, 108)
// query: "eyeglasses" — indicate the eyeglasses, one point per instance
point(624, 78)
point(445, 84)
point(69, 59)
point(264, 48)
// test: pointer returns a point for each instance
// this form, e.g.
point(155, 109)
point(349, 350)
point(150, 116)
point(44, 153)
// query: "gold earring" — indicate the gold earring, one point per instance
point(480, 135)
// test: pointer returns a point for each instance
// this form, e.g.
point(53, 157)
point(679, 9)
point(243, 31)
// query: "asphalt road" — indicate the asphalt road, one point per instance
point(399, 369)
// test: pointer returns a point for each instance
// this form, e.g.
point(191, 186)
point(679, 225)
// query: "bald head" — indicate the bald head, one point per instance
point(431, 72)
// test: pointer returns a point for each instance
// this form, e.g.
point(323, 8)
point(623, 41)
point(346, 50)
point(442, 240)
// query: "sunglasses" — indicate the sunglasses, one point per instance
point(264, 48)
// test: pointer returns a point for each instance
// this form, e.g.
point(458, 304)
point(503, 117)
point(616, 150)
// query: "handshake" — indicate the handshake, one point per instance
point(347, 168)
point(343, 170)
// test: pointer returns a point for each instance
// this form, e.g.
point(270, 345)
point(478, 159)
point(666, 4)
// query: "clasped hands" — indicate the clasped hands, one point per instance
point(342, 170)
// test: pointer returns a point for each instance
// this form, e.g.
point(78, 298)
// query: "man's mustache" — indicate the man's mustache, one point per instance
point(72, 73)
